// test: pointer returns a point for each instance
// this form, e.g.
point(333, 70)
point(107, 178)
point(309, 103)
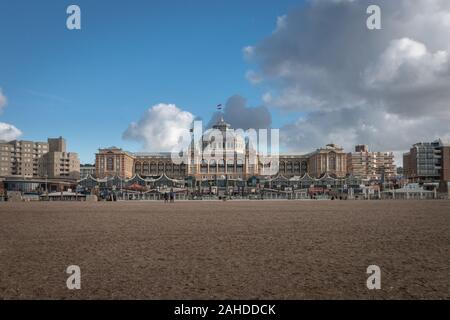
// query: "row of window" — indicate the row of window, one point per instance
point(213, 177)
point(27, 147)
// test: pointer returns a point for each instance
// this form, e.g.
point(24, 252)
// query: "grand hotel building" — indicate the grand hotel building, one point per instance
point(231, 160)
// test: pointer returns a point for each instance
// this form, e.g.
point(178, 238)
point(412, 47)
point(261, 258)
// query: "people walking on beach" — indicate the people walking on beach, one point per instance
point(172, 196)
point(166, 197)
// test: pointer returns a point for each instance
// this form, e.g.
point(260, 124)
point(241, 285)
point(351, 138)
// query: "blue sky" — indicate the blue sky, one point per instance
point(89, 85)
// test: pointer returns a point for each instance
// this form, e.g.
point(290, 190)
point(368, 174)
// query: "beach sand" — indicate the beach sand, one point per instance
point(225, 250)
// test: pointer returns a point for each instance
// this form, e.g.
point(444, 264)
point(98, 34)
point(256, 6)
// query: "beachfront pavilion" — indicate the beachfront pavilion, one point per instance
point(410, 192)
point(279, 186)
point(37, 185)
point(135, 188)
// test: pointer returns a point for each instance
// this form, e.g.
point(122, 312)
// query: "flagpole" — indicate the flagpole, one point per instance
point(219, 107)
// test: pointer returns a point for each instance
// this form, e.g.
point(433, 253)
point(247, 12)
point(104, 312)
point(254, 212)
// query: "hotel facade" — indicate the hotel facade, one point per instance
point(214, 160)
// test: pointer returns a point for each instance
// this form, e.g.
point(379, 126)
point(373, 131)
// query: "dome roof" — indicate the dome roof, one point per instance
point(222, 125)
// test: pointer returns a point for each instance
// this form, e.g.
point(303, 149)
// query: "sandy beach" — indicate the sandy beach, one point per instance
point(225, 250)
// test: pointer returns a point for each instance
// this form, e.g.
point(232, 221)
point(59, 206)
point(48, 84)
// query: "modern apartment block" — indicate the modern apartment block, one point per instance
point(428, 162)
point(370, 165)
point(21, 158)
point(445, 173)
point(29, 159)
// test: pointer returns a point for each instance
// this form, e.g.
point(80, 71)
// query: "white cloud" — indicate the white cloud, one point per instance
point(387, 88)
point(408, 63)
point(160, 128)
point(9, 132)
point(3, 99)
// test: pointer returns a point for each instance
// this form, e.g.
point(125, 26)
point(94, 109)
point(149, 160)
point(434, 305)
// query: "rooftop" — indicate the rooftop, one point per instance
point(221, 125)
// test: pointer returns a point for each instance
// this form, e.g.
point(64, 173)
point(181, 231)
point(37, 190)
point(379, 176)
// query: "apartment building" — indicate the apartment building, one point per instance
point(445, 153)
point(370, 165)
point(21, 158)
point(427, 162)
point(58, 163)
point(29, 159)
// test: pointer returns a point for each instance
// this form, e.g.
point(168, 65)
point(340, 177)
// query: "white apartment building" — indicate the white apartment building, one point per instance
point(370, 165)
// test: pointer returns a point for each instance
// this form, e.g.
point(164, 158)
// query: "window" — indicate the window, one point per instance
point(240, 166)
point(332, 162)
point(221, 165)
point(110, 164)
point(204, 166)
point(213, 166)
point(146, 168)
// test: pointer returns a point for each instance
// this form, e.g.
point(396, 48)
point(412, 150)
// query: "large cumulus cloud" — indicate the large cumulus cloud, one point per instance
point(388, 88)
point(163, 127)
point(160, 128)
point(9, 132)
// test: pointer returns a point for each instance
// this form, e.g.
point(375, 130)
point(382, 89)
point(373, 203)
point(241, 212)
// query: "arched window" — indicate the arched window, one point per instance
point(282, 167)
point(153, 169)
point(221, 165)
point(137, 167)
point(230, 166)
point(146, 168)
point(240, 166)
point(304, 167)
point(204, 166)
point(332, 161)
point(110, 164)
point(289, 167)
point(297, 168)
point(213, 166)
